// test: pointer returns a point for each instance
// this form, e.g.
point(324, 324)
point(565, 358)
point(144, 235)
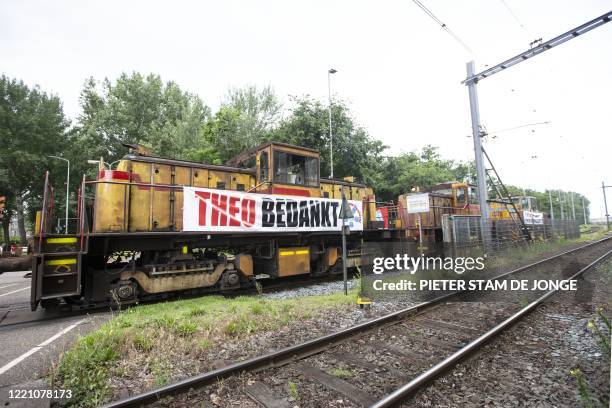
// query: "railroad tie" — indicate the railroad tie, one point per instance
point(263, 395)
point(351, 392)
point(354, 359)
point(450, 327)
point(406, 355)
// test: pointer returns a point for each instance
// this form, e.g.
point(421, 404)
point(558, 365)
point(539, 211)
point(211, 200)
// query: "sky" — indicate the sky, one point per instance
point(400, 72)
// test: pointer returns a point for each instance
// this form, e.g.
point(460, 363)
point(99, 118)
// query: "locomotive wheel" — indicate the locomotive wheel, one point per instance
point(230, 280)
point(125, 292)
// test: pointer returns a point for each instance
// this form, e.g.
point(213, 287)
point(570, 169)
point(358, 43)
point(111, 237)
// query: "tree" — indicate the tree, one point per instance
point(356, 153)
point(247, 117)
point(138, 110)
point(32, 126)
point(418, 169)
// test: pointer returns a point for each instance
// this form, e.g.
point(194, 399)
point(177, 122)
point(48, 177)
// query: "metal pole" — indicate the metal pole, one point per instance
point(603, 188)
point(420, 233)
point(344, 274)
point(331, 138)
point(552, 213)
point(480, 171)
point(67, 187)
point(561, 206)
point(584, 212)
point(67, 194)
point(573, 208)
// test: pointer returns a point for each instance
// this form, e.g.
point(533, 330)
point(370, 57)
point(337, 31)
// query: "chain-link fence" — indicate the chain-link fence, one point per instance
point(463, 233)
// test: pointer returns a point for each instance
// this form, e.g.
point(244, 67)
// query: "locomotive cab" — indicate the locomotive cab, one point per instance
point(281, 168)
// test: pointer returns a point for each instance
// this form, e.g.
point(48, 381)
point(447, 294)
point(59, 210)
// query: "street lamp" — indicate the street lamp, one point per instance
point(331, 138)
point(67, 187)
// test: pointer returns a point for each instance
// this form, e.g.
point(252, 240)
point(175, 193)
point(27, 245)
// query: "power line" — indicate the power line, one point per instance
point(514, 16)
point(494, 133)
point(517, 127)
point(444, 26)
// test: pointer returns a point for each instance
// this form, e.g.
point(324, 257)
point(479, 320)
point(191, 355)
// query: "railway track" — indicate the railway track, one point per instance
point(388, 358)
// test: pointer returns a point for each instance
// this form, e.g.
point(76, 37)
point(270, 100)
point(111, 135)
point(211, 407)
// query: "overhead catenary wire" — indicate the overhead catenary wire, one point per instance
point(518, 127)
point(494, 133)
point(443, 25)
point(513, 14)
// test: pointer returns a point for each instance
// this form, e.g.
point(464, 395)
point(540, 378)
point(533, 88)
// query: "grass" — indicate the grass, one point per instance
point(85, 368)
point(151, 336)
point(525, 253)
point(592, 232)
point(341, 372)
point(293, 391)
point(160, 368)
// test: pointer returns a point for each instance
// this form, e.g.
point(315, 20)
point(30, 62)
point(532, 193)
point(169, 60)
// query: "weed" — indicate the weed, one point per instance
point(341, 372)
point(257, 309)
point(165, 321)
point(240, 325)
point(124, 321)
point(186, 328)
point(307, 315)
point(205, 344)
point(523, 302)
point(85, 369)
point(293, 391)
point(583, 389)
point(196, 311)
point(142, 342)
point(160, 369)
point(232, 328)
point(602, 335)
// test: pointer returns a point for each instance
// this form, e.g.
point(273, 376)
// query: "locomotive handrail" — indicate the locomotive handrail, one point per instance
point(132, 183)
point(43, 213)
point(173, 186)
point(82, 212)
point(260, 184)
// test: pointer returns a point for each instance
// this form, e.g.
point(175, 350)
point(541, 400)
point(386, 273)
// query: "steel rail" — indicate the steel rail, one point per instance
point(399, 395)
point(303, 350)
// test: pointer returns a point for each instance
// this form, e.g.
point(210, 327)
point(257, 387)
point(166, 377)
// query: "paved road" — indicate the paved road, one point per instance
point(29, 347)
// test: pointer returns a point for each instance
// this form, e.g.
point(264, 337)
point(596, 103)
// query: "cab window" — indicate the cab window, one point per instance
point(444, 191)
point(460, 196)
point(263, 167)
point(292, 168)
point(473, 196)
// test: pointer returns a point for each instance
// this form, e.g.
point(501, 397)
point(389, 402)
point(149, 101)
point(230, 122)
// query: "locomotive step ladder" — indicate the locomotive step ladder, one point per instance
point(56, 269)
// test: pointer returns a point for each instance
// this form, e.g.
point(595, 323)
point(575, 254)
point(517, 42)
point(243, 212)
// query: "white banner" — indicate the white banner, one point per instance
point(210, 210)
point(533, 218)
point(417, 203)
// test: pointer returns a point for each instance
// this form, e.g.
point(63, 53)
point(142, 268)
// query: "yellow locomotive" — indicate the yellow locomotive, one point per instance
point(453, 198)
point(156, 225)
